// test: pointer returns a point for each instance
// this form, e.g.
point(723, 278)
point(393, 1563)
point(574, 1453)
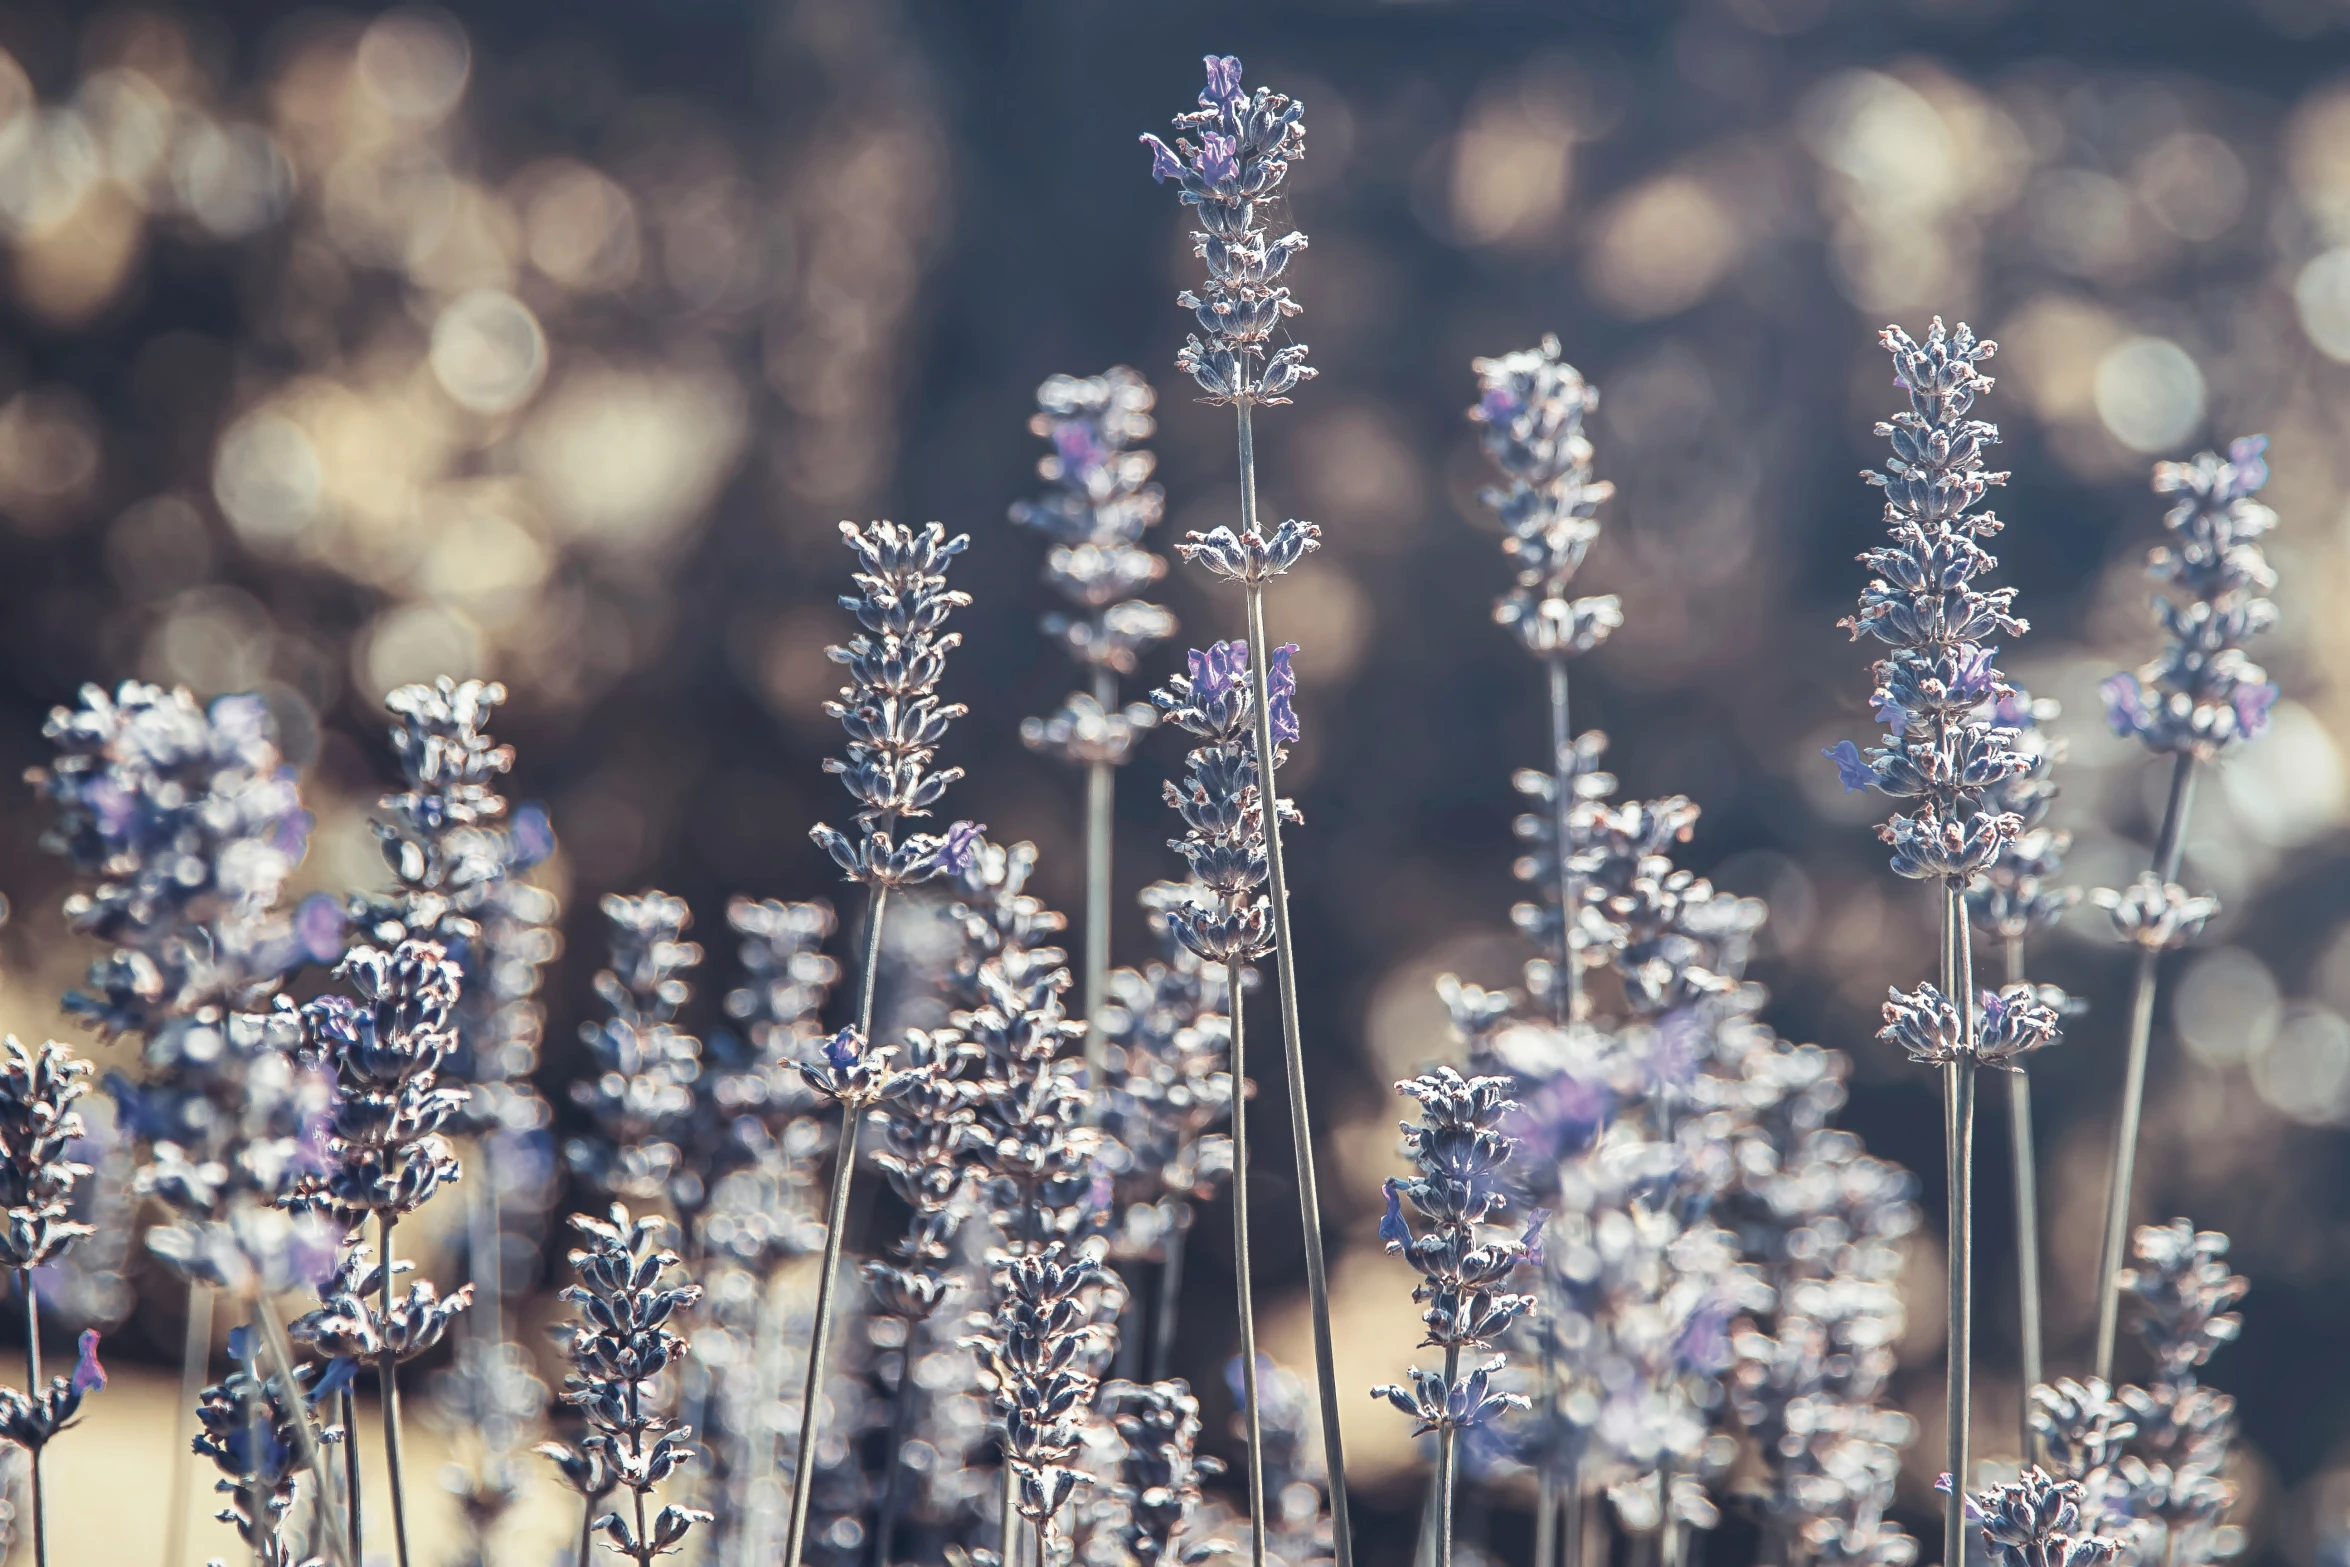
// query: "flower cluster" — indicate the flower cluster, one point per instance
point(2038, 1522)
point(1102, 503)
point(2015, 895)
point(1035, 1349)
point(2154, 915)
point(2203, 697)
point(1460, 1149)
point(349, 1324)
point(385, 1150)
point(2152, 1460)
point(1246, 143)
point(186, 823)
point(620, 1344)
point(929, 1131)
point(31, 1418)
point(1160, 1470)
point(39, 1127)
point(1924, 604)
point(1530, 415)
point(641, 1096)
point(2007, 1025)
point(252, 1431)
point(891, 708)
point(1220, 799)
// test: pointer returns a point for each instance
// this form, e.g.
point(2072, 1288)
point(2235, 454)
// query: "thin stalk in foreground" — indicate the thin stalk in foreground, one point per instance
point(844, 1171)
point(1008, 1547)
point(1569, 990)
point(281, 1349)
point(1170, 1293)
point(32, 1382)
point(1959, 1078)
point(1447, 1461)
point(1546, 1494)
point(1251, 1410)
point(1100, 804)
point(1301, 1130)
point(2167, 849)
point(2027, 1223)
point(195, 1366)
point(348, 1408)
point(386, 1373)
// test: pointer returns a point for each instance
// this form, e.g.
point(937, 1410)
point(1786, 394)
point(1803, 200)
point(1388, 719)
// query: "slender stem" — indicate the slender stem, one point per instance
point(195, 1363)
point(257, 1440)
point(844, 1170)
point(32, 1384)
point(1959, 1093)
point(348, 1409)
point(1251, 1411)
point(2027, 1221)
point(1447, 1456)
point(1668, 1537)
point(1301, 1131)
point(2167, 850)
point(1546, 1496)
point(1562, 758)
point(901, 1416)
point(386, 1373)
point(643, 1542)
point(1100, 784)
point(1170, 1290)
point(587, 1527)
point(1008, 1535)
point(281, 1350)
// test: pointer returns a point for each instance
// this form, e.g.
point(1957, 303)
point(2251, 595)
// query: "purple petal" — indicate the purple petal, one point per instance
point(2252, 704)
point(843, 1049)
point(1165, 165)
point(961, 846)
point(1851, 771)
point(318, 927)
point(2251, 466)
point(1282, 685)
point(2125, 705)
point(88, 1375)
point(1219, 158)
point(1893, 716)
point(1223, 81)
point(1392, 1228)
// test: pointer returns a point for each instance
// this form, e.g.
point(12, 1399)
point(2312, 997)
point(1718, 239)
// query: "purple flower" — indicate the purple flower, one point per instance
point(1223, 81)
point(843, 1049)
point(338, 1376)
point(1219, 671)
point(1392, 1228)
point(2248, 467)
point(2252, 704)
point(1165, 165)
point(319, 927)
point(2125, 705)
point(1975, 673)
point(1893, 716)
point(1851, 771)
point(1219, 158)
point(960, 846)
point(1283, 686)
point(531, 838)
point(88, 1375)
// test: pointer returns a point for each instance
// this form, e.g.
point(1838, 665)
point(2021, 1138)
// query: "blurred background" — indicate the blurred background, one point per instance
point(549, 342)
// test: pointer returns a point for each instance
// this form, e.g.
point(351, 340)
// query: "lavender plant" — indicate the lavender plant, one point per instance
point(894, 720)
point(1102, 505)
point(1226, 844)
point(386, 1157)
point(621, 1342)
point(1531, 415)
point(2009, 899)
point(261, 1431)
point(1923, 604)
point(1461, 1149)
point(457, 857)
point(184, 823)
point(1246, 143)
point(2201, 699)
point(1160, 1467)
point(2038, 1522)
point(38, 1127)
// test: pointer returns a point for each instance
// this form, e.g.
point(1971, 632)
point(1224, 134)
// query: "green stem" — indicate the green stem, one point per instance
point(348, 1408)
point(195, 1362)
point(1959, 1104)
point(2027, 1220)
point(2119, 1178)
point(1447, 1451)
point(587, 1527)
point(1008, 1536)
point(32, 1383)
point(844, 1170)
point(1309, 1198)
point(1569, 990)
point(386, 1372)
point(1100, 786)
point(1251, 1410)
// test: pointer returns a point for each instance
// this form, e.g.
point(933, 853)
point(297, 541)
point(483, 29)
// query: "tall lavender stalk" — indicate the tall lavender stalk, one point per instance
point(386, 1157)
point(1922, 602)
point(1102, 504)
point(1246, 144)
point(1460, 1148)
point(1223, 804)
point(2008, 900)
point(2198, 701)
point(894, 721)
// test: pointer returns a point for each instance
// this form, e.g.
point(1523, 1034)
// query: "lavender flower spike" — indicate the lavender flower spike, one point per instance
point(1945, 758)
point(2200, 700)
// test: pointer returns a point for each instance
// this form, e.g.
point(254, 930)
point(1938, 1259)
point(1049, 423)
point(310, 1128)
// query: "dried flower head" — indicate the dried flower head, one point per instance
point(1530, 413)
point(2177, 1296)
point(2037, 1522)
point(2203, 697)
point(1160, 1468)
point(2008, 1024)
point(38, 1129)
point(2155, 915)
point(641, 1097)
point(1034, 1348)
point(249, 1432)
point(1220, 801)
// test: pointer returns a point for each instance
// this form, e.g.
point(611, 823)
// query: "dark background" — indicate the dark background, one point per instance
point(863, 232)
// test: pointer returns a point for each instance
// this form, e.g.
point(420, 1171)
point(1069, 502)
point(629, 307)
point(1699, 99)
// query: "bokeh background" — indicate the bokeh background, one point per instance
point(550, 341)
